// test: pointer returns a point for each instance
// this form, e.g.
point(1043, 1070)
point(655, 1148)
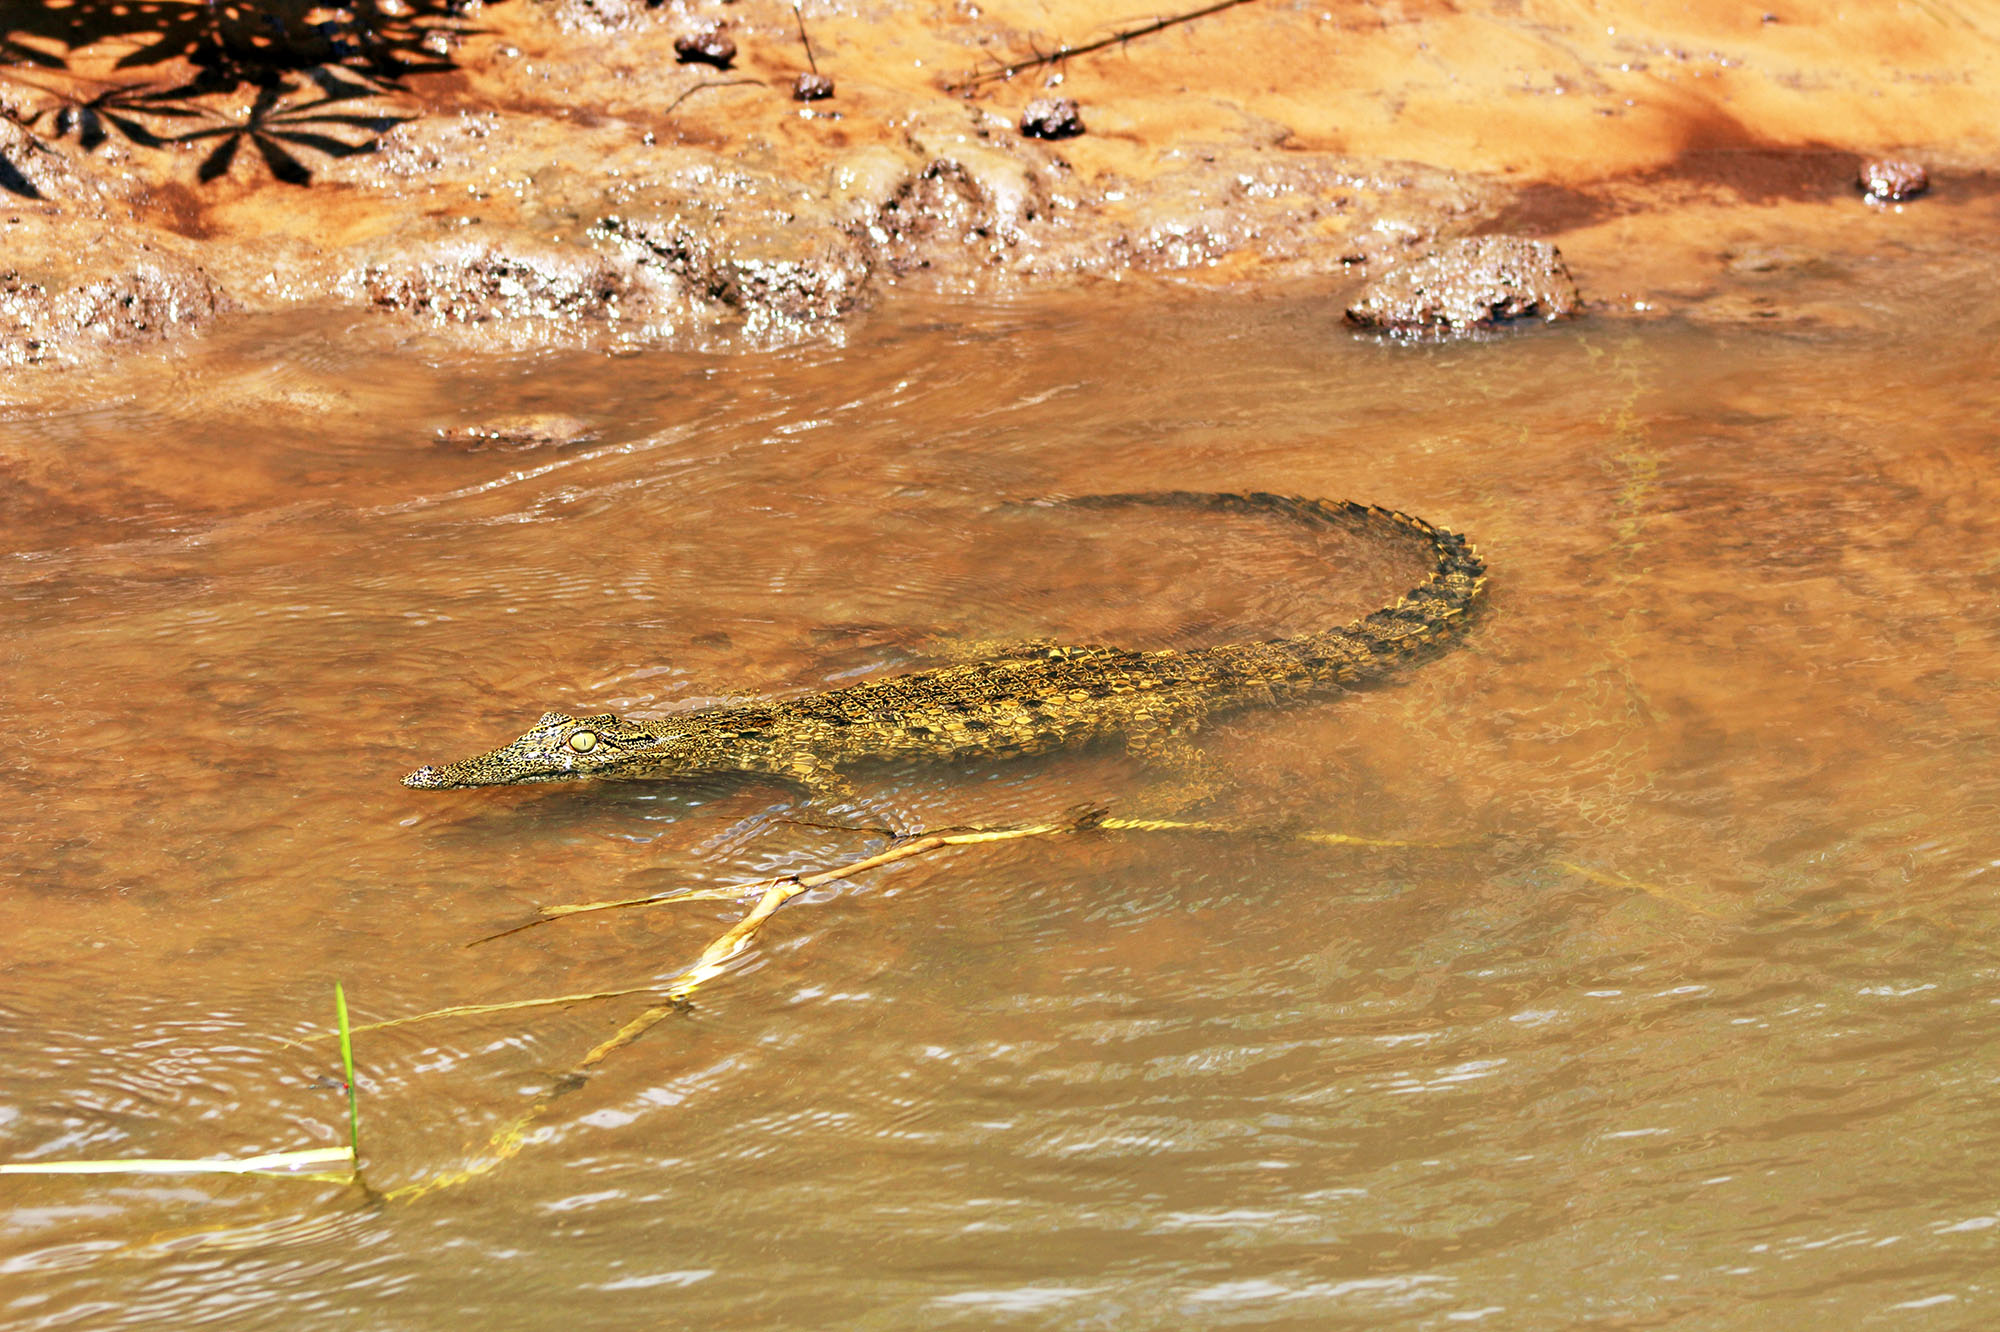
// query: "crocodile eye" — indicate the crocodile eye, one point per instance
point(583, 741)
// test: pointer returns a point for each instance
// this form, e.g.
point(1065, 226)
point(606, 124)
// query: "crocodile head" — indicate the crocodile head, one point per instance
point(559, 748)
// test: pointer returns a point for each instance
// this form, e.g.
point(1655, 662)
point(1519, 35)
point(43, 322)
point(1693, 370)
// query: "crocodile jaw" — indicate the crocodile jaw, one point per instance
point(454, 777)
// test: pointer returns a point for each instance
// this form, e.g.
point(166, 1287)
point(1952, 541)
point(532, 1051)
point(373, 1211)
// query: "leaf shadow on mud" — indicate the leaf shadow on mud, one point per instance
point(151, 72)
point(270, 126)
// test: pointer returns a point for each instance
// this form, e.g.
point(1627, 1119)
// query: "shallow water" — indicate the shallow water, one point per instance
point(1681, 1016)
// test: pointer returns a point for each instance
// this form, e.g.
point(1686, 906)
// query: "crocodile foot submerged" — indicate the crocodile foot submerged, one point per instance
point(1028, 703)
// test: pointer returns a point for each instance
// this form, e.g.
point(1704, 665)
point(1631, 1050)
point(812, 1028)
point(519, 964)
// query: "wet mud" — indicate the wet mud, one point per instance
point(610, 172)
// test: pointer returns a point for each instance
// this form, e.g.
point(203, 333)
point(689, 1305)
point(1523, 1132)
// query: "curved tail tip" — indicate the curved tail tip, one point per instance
point(425, 778)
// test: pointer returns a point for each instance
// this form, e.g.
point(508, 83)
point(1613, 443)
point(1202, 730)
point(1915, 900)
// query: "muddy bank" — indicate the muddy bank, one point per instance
point(607, 171)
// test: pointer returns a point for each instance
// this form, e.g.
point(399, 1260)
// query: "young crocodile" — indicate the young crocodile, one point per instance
point(1044, 698)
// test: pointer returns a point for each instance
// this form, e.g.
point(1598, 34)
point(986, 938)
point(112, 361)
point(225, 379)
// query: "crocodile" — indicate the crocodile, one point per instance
point(1032, 700)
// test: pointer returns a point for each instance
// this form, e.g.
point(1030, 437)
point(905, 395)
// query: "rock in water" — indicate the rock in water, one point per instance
point(1469, 284)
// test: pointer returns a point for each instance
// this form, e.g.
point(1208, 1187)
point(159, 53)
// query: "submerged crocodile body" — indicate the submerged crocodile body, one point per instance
point(1038, 700)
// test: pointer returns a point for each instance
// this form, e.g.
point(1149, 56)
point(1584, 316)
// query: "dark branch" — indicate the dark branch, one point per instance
point(719, 83)
point(798, 12)
point(1062, 53)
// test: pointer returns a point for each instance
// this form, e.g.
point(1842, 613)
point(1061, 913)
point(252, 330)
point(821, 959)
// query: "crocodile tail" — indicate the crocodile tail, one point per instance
point(1418, 622)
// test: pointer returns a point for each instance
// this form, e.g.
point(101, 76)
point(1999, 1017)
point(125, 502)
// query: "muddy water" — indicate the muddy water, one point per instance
point(1682, 1016)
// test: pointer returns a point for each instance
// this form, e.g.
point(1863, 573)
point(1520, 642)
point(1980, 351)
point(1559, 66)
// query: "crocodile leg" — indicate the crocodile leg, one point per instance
point(1191, 777)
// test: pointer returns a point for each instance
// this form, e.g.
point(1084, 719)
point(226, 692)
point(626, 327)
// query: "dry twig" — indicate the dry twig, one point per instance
point(773, 893)
point(798, 12)
point(1004, 72)
point(712, 83)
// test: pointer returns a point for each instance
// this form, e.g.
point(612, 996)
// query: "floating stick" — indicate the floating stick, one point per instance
point(270, 1163)
point(1660, 892)
point(775, 892)
point(283, 1164)
point(508, 1141)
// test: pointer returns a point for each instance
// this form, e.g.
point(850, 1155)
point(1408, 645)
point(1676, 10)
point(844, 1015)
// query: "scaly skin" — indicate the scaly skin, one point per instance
point(1042, 699)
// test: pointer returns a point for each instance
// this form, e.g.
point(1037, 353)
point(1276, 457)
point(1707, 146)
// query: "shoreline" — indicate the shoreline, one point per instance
point(551, 173)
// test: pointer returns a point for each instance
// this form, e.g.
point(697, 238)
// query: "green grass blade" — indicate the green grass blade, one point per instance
point(347, 1068)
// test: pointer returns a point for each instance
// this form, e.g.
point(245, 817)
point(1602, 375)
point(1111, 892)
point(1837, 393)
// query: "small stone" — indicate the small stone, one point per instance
point(1764, 259)
point(1891, 181)
point(713, 47)
point(812, 88)
point(521, 430)
point(1052, 118)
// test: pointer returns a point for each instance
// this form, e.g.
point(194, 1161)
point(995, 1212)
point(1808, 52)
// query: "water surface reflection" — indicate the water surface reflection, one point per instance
point(1689, 1022)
